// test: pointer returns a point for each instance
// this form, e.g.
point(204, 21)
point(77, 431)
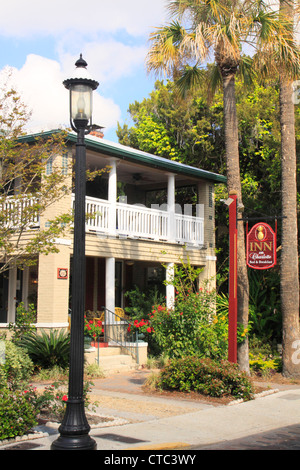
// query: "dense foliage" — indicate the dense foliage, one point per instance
point(191, 327)
point(205, 376)
point(17, 413)
point(190, 130)
point(21, 404)
point(16, 367)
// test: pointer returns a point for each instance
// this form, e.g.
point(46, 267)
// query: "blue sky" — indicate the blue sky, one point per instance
point(40, 42)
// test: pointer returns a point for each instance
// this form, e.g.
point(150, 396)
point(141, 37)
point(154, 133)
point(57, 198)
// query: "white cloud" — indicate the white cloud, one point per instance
point(111, 35)
point(107, 62)
point(39, 83)
point(21, 18)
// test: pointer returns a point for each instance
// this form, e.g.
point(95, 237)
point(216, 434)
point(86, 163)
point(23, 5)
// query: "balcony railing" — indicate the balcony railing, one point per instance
point(19, 212)
point(137, 221)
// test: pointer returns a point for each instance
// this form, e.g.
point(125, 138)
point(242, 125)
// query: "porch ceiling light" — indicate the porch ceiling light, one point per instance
point(81, 88)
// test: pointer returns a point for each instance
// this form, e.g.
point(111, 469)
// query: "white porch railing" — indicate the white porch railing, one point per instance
point(137, 221)
point(97, 211)
point(140, 221)
point(189, 229)
point(20, 211)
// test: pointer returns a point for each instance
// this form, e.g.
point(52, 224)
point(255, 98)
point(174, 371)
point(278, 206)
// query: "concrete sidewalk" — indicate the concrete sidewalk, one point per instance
point(137, 421)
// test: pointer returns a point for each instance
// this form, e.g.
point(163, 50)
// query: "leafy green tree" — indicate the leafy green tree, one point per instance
point(220, 27)
point(281, 58)
point(203, 146)
point(188, 130)
point(27, 187)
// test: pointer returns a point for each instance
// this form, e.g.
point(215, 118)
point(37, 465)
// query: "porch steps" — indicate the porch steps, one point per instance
point(111, 360)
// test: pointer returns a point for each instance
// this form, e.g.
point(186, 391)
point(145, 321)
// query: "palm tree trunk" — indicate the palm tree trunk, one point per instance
point(289, 279)
point(234, 184)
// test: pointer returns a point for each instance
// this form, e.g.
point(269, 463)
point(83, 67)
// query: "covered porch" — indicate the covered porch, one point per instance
point(144, 202)
point(109, 279)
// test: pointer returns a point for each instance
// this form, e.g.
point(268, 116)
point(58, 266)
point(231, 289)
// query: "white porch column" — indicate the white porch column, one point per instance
point(171, 208)
point(110, 288)
point(25, 282)
point(112, 196)
point(170, 290)
point(12, 287)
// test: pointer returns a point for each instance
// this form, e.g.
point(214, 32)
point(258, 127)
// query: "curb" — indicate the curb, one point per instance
point(257, 395)
point(54, 426)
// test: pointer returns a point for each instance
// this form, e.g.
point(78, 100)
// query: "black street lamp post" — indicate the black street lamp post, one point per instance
point(74, 429)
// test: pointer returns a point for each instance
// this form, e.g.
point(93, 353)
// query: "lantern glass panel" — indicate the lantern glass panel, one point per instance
point(81, 102)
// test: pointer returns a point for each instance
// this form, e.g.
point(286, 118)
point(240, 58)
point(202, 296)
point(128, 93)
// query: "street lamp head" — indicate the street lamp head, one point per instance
point(81, 88)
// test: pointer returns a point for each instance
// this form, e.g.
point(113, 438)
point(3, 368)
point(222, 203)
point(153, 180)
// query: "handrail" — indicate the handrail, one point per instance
point(137, 221)
point(119, 331)
point(20, 210)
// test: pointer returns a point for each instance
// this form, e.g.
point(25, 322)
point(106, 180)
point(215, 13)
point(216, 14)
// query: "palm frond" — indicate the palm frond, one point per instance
point(223, 26)
point(189, 79)
point(247, 71)
point(164, 52)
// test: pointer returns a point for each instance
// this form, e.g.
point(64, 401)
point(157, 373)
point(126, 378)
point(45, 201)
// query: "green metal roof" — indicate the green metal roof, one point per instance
point(136, 156)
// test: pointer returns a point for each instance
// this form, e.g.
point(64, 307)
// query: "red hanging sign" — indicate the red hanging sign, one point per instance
point(261, 247)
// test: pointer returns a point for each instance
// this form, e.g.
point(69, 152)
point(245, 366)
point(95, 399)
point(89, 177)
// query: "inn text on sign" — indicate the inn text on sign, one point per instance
point(261, 247)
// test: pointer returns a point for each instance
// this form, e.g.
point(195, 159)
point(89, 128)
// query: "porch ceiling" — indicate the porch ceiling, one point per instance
point(139, 175)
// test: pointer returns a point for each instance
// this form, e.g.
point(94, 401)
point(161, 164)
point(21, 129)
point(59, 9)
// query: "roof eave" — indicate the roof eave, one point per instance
point(135, 156)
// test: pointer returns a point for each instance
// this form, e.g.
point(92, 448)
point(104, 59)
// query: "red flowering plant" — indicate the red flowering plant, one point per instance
point(141, 327)
point(51, 402)
point(93, 328)
point(192, 326)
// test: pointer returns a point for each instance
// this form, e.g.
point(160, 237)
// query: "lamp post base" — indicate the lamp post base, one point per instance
point(83, 442)
point(74, 429)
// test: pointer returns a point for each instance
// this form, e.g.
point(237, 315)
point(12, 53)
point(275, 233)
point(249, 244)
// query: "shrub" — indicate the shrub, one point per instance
point(51, 403)
point(205, 376)
point(264, 359)
point(23, 323)
point(17, 413)
point(54, 374)
point(48, 350)
point(265, 366)
point(192, 326)
point(140, 306)
point(17, 366)
point(94, 370)
point(141, 302)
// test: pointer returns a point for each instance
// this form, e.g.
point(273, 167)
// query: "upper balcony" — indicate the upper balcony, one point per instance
point(139, 222)
point(119, 219)
point(156, 190)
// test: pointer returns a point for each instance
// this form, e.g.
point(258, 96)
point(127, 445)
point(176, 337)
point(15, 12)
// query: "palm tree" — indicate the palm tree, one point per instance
point(289, 279)
point(218, 27)
point(215, 27)
point(281, 58)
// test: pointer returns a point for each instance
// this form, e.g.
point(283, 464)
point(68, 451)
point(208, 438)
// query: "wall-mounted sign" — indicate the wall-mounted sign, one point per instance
point(261, 247)
point(62, 273)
